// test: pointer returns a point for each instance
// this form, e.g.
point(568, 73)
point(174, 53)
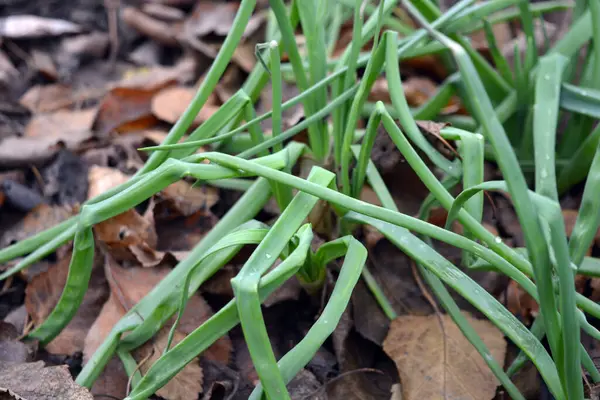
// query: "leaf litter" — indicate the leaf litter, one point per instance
point(75, 98)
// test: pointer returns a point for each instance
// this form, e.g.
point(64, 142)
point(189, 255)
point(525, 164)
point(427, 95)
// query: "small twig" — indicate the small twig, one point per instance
point(112, 6)
point(38, 178)
point(438, 314)
point(140, 364)
point(26, 330)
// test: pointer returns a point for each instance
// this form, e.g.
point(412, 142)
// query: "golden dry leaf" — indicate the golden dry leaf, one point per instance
point(170, 103)
point(186, 199)
point(416, 344)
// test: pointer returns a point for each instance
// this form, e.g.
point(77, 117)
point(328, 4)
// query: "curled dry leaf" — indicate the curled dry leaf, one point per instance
point(170, 103)
point(129, 235)
point(33, 381)
point(44, 291)
point(416, 344)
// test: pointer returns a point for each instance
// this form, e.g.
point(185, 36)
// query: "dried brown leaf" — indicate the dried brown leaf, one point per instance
point(44, 136)
point(187, 383)
point(217, 18)
point(44, 64)
point(187, 200)
point(45, 98)
point(31, 381)
point(123, 110)
point(63, 125)
point(415, 344)
point(39, 219)
point(129, 286)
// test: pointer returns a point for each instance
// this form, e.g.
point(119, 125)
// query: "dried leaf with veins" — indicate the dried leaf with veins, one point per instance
point(415, 344)
point(33, 381)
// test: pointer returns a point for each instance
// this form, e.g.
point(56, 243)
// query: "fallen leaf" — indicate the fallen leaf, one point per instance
point(124, 109)
point(243, 55)
point(415, 345)
point(209, 17)
point(427, 65)
point(129, 235)
point(128, 287)
point(44, 291)
point(68, 126)
point(163, 12)
point(11, 349)
point(570, 217)
point(56, 96)
point(185, 199)
point(160, 31)
point(65, 179)
point(45, 98)
point(290, 117)
point(33, 381)
point(187, 383)
point(170, 103)
point(44, 136)
point(44, 64)
point(39, 219)
point(77, 49)
point(31, 26)
point(380, 91)
point(102, 179)
point(8, 72)
point(418, 90)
